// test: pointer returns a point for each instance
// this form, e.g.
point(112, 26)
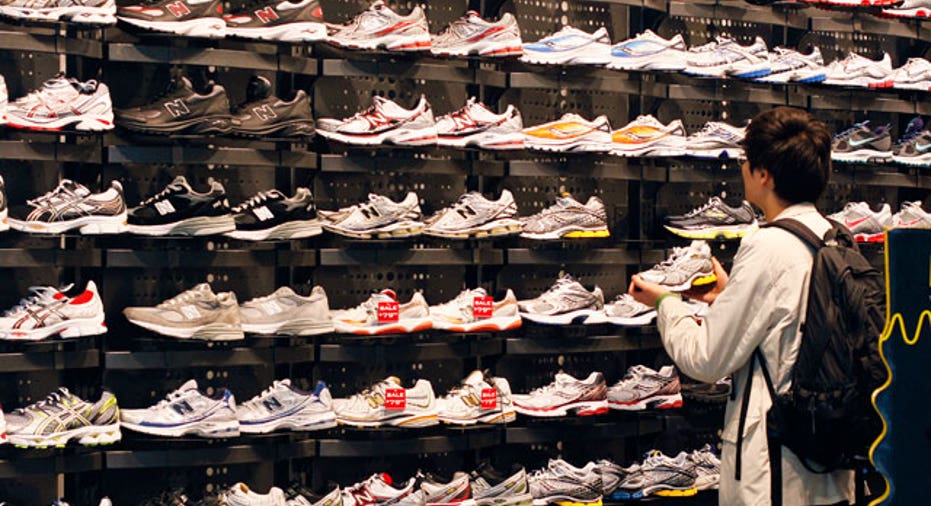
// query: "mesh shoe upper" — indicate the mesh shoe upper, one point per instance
point(272, 208)
point(681, 265)
point(567, 212)
point(193, 308)
point(70, 201)
point(714, 213)
point(564, 296)
point(61, 411)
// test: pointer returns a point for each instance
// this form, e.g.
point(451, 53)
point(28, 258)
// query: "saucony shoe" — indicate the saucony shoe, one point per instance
point(707, 468)
point(647, 136)
point(63, 416)
point(649, 51)
point(861, 72)
point(568, 219)
point(686, 267)
point(72, 206)
point(565, 395)
point(624, 310)
point(612, 475)
point(272, 216)
point(378, 490)
point(911, 215)
point(714, 220)
point(909, 9)
point(265, 115)
point(563, 484)
point(472, 35)
point(302, 496)
point(478, 400)
point(283, 406)
point(476, 311)
point(914, 147)
point(287, 313)
point(179, 210)
point(379, 218)
point(643, 388)
point(382, 314)
point(288, 21)
point(565, 302)
point(570, 133)
point(728, 58)
point(48, 311)
point(181, 109)
point(389, 403)
point(197, 313)
point(85, 12)
point(716, 140)
point(570, 46)
point(863, 144)
point(186, 411)
point(63, 103)
point(189, 18)
point(475, 125)
point(385, 122)
point(659, 473)
point(865, 224)
point(381, 27)
point(473, 215)
point(789, 65)
point(914, 75)
point(493, 488)
point(241, 495)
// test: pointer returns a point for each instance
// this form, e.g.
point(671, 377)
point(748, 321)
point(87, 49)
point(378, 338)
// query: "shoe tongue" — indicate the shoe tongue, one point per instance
point(650, 120)
point(191, 384)
point(387, 292)
point(181, 84)
point(474, 378)
point(284, 291)
point(915, 125)
point(378, 5)
point(243, 487)
point(203, 288)
point(285, 382)
point(562, 377)
point(181, 182)
point(76, 188)
point(258, 88)
point(571, 116)
point(389, 107)
point(396, 381)
point(714, 200)
point(566, 199)
point(472, 14)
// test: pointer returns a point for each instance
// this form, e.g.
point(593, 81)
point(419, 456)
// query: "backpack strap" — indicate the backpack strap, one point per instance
point(773, 445)
point(799, 230)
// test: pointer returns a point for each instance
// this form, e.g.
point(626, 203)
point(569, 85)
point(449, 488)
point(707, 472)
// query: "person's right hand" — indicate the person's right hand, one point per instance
point(709, 293)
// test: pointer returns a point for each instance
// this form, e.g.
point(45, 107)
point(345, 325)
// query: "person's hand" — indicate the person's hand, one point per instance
point(645, 292)
point(709, 293)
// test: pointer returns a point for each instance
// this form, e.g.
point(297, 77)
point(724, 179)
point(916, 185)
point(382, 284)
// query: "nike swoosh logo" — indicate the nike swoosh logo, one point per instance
point(862, 141)
point(851, 224)
point(922, 147)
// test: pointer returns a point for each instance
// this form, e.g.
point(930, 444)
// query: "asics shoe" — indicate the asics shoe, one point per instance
point(272, 216)
point(912, 215)
point(287, 313)
point(716, 140)
point(4, 99)
point(726, 57)
point(649, 51)
point(72, 206)
point(283, 406)
point(379, 218)
point(385, 122)
point(568, 219)
point(179, 210)
point(478, 400)
point(660, 475)
point(302, 496)
point(714, 220)
point(181, 109)
point(914, 75)
point(186, 411)
point(493, 488)
point(63, 103)
point(473, 215)
point(380, 27)
point(788, 65)
point(188, 18)
point(626, 311)
point(859, 71)
point(865, 224)
point(265, 115)
point(85, 12)
point(863, 144)
point(241, 495)
point(570, 133)
point(647, 136)
point(565, 395)
point(475, 125)
point(476, 311)
point(707, 468)
point(570, 46)
point(686, 267)
point(381, 314)
point(289, 21)
point(378, 490)
point(63, 416)
point(389, 403)
point(565, 302)
point(48, 311)
point(472, 35)
point(914, 147)
point(643, 388)
point(197, 313)
point(909, 9)
point(565, 485)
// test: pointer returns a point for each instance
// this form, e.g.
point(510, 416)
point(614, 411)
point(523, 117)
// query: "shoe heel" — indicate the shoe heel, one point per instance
point(84, 329)
point(667, 402)
point(591, 408)
point(95, 123)
point(116, 225)
point(102, 436)
point(218, 429)
point(212, 126)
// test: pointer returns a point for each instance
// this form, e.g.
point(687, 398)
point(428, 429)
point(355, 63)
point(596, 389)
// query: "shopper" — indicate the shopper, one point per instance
point(760, 303)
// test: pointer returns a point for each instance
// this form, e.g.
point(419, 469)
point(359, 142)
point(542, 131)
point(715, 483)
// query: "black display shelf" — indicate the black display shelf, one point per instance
point(169, 259)
point(599, 256)
point(236, 452)
point(571, 77)
point(633, 338)
point(859, 99)
point(45, 359)
point(218, 357)
point(540, 430)
point(382, 349)
point(218, 155)
point(386, 441)
point(701, 175)
point(865, 23)
point(403, 160)
point(737, 10)
point(657, 5)
point(35, 257)
point(736, 91)
point(576, 165)
point(142, 53)
point(457, 71)
point(924, 181)
point(21, 462)
point(405, 256)
point(48, 150)
point(48, 41)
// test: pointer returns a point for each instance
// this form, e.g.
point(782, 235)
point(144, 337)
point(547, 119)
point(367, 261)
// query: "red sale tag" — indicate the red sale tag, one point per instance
point(482, 307)
point(489, 398)
point(388, 312)
point(395, 399)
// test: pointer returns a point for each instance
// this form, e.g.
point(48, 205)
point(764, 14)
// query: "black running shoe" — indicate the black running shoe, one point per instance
point(179, 210)
point(72, 206)
point(4, 212)
point(862, 144)
point(264, 114)
point(190, 18)
point(181, 110)
point(914, 148)
point(714, 220)
point(272, 216)
point(287, 21)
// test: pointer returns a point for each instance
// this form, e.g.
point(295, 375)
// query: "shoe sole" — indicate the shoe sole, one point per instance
point(292, 32)
point(203, 125)
point(202, 428)
point(293, 423)
point(82, 123)
point(400, 230)
point(651, 62)
point(210, 332)
point(294, 327)
point(636, 321)
point(296, 128)
point(409, 421)
point(209, 28)
point(580, 145)
point(93, 435)
point(915, 161)
point(576, 56)
point(570, 232)
point(409, 327)
point(655, 402)
point(483, 140)
point(88, 225)
point(711, 233)
point(502, 417)
point(402, 43)
point(559, 501)
point(482, 48)
point(68, 329)
point(579, 316)
point(863, 156)
point(498, 228)
point(282, 232)
point(697, 279)
point(197, 226)
point(75, 14)
point(493, 324)
point(396, 137)
point(584, 408)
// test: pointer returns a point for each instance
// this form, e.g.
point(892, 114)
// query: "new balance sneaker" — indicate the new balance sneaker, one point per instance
point(472, 35)
point(568, 219)
point(914, 147)
point(241, 495)
point(63, 416)
point(914, 75)
point(859, 71)
point(570, 46)
point(283, 406)
point(707, 468)
point(863, 144)
point(302, 496)
point(647, 136)
point(189, 18)
point(379, 490)
point(385, 122)
point(726, 57)
point(287, 313)
point(649, 51)
point(186, 411)
point(179, 210)
point(197, 313)
point(865, 224)
point(565, 302)
point(379, 218)
point(571, 132)
point(63, 103)
point(626, 311)
point(686, 267)
point(660, 474)
point(181, 109)
point(85, 12)
point(72, 206)
point(288, 21)
point(643, 388)
point(493, 488)
point(265, 115)
point(714, 219)
point(473, 215)
point(565, 395)
point(4, 99)
point(381, 314)
point(272, 216)
point(387, 402)
point(716, 140)
point(4, 208)
point(563, 484)
point(47, 311)
point(473, 310)
point(788, 65)
point(911, 215)
point(478, 400)
point(380, 27)
point(909, 9)
point(476, 126)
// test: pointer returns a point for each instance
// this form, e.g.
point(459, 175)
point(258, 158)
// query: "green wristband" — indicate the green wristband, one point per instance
point(659, 300)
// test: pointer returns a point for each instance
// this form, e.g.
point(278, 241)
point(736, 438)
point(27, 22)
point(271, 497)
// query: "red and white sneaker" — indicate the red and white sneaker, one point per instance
point(475, 125)
point(3, 439)
point(475, 311)
point(909, 9)
point(385, 122)
point(48, 311)
point(63, 103)
point(381, 28)
point(565, 395)
point(190, 18)
point(378, 490)
point(472, 35)
point(382, 314)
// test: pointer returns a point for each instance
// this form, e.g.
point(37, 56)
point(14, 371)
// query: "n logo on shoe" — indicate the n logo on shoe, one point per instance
point(164, 207)
point(179, 10)
point(177, 107)
point(266, 15)
point(263, 214)
point(264, 112)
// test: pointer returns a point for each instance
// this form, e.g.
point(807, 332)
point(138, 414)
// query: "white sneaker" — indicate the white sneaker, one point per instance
point(380, 26)
point(565, 302)
point(382, 314)
point(478, 400)
point(686, 266)
point(912, 215)
point(565, 395)
point(389, 403)
point(71, 206)
point(473, 215)
point(379, 489)
point(716, 140)
point(728, 58)
point(475, 311)
point(914, 75)
point(475, 125)
point(859, 71)
point(282, 406)
point(910, 9)
point(643, 388)
point(379, 218)
point(48, 311)
point(240, 495)
point(385, 122)
point(649, 51)
point(624, 310)
point(472, 35)
point(648, 136)
point(63, 103)
point(865, 224)
point(186, 411)
point(789, 65)
point(570, 46)
point(570, 133)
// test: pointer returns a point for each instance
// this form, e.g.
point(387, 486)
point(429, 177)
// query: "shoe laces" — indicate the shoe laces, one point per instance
point(545, 389)
point(255, 201)
point(850, 131)
point(702, 208)
point(254, 402)
point(185, 296)
point(170, 398)
point(60, 192)
point(37, 294)
point(166, 192)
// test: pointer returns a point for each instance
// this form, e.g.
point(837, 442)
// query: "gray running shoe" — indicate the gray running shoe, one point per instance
point(643, 388)
point(379, 218)
point(564, 395)
point(624, 310)
point(568, 219)
point(284, 406)
point(714, 220)
point(707, 468)
point(560, 483)
point(436, 492)
point(685, 267)
point(660, 474)
point(612, 475)
point(195, 314)
point(63, 416)
point(865, 224)
point(914, 148)
point(186, 411)
point(565, 302)
point(473, 215)
point(287, 313)
point(492, 488)
point(862, 144)
point(911, 215)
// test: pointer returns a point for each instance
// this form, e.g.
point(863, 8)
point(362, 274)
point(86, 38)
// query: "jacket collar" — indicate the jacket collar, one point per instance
point(796, 210)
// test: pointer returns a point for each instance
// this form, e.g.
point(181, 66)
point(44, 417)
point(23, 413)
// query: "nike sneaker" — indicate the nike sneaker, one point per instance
point(472, 35)
point(647, 136)
point(197, 313)
point(48, 311)
point(63, 416)
point(287, 313)
point(473, 310)
point(272, 216)
point(265, 115)
point(914, 147)
point(788, 65)
point(241, 495)
point(180, 109)
point(624, 310)
point(571, 132)
point(716, 140)
point(478, 400)
point(284, 406)
point(72, 206)
point(188, 18)
point(564, 303)
point(660, 475)
point(387, 402)
point(381, 314)
point(494, 488)
point(861, 72)
point(379, 218)
point(63, 103)
point(643, 388)
point(380, 27)
point(474, 216)
point(714, 220)
point(914, 75)
point(568, 219)
point(707, 468)
point(563, 484)
point(379, 490)
point(649, 51)
point(179, 210)
point(686, 267)
point(570, 46)
point(85, 12)
point(909, 9)
point(476, 126)
point(565, 395)
point(863, 144)
point(4, 99)
point(186, 411)
point(911, 215)
point(385, 122)
point(727, 58)
point(4, 208)
point(288, 21)
point(302, 496)
point(865, 224)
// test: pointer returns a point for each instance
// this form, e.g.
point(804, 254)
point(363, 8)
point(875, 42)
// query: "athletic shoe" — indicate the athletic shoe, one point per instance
point(493, 488)
point(865, 224)
point(180, 109)
point(287, 313)
point(612, 475)
point(473, 310)
point(189, 18)
point(63, 416)
point(72, 206)
point(643, 388)
point(909, 9)
point(626, 311)
point(568, 219)
point(675, 477)
point(475, 125)
point(379, 218)
point(265, 115)
point(863, 144)
point(85, 12)
point(914, 75)
point(472, 35)
point(47, 311)
point(387, 402)
point(478, 400)
point(911, 215)
point(564, 303)
point(302, 496)
point(717, 392)
point(271, 216)
point(4, 210)
point(437, 491)
point(861, 72)
point(385, 122)
point(3, 438)
point(197, 313)
point(563, 484)
point(716, 140)
point(378, 490)
point(649, 51)
point(290, 21)
point(726, 57)
point(4, 99)
point(474, 216)
point(241, 495)
point(565, 395)
point(686, 267)
point(707, 468)
point(186, 411)
point(647, 136)
point(570, 46)
point(714, 220)
point(914, 147)
point(382, 314)
point(381, 27)
point(63, 103)
point(855, 3)
point(788, 65)
point(571, 132)
point(283, 406)
point(179, 210)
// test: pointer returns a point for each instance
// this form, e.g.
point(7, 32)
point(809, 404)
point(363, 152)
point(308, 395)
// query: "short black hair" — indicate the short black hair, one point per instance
point(795, 148)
